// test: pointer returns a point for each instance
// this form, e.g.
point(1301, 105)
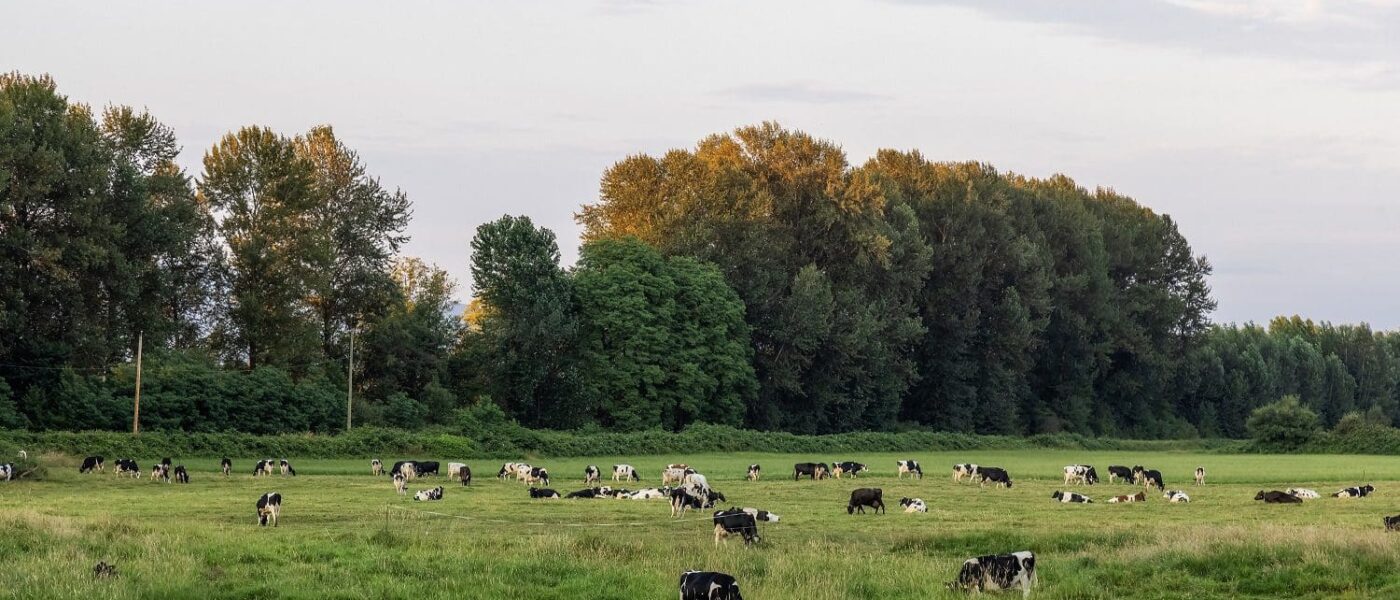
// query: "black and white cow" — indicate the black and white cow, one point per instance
point(594, 492)
point(685, 498)
point(465, 474)
point(7, 472)
point(1153, 478)
point(909, 466)
point(1176, 497)
point(160, 472)
point(1081, 474)
point(1138, 470)
point(762, 515)
point(650, 494)
point(1392, 523)
point(1277, 497)
point(913, 505)
point(1355, 492)
point(166, 462)
point(454, 469)
point(962, 470)
point(90, 464)
point(998, 572)
point(997, 475)
point(537, 474)
point(543, 493)
point(754, 472)
point(507, 471)
point(127, 466)
point(1200, 475)
point(405, 468)
point(625, 472)
point(813, 470)
point(848, 468)
point(181, 475)
point(428, 495)
point(226, 466)
point(400, 483)
point(1303, 493)
point(1116, 472)
point(709, 585)
point(269, 508)
point(264, 467)
point(863, 497)
point(1068, 497)
point(286, 468)
point(376, 467)
point(591, 475)
point(735, 522)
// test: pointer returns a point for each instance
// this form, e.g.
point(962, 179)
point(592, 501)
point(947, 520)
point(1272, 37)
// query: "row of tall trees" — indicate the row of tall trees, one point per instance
point(756, 280)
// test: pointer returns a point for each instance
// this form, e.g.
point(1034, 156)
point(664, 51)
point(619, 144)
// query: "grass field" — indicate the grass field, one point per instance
point(345, 534)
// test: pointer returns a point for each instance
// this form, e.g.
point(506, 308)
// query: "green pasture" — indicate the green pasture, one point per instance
point(346, 534)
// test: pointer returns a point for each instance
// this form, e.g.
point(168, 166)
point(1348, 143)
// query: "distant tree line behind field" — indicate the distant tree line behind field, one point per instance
point(757, 280)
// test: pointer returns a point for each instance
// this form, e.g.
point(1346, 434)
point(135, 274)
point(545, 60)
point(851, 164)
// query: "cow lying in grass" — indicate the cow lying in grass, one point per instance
point(543, 493)
point(1138, 497)
point(1303, 493)
point(1071, 497)
point(913, 505)
point(1355, 492)
point(1277, 497)
point(1176, 496)
point(428, 495)
point(998, 572)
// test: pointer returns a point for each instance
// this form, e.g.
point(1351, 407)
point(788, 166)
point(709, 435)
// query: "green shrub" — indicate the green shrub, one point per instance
point(1282, 426)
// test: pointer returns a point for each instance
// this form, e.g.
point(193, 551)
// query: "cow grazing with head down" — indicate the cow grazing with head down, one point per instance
point(1176, 497)
point(1277, 497)
point(625, 472)
point(400, 483)
point(507, 470)
point(709, 585)
point(181, 475)
point(537, 474)
point(1138, 497)
point(997, 475)
point(913, 505)
point(813, 470)
point(1077, 474)
point(754, 471)
point(1152, 478)
point(910, 467)
point(269, 508)
point(1355, 492)
point(264, 467)
point(591, 475)
point(376, 468)
point(848, 467)
point(90, 464)
point(1392, 523)
point(226, 466)
point(674, 474)
point(685, 498)
point(735, 522)
point(543, 493)
point(425, 467)
point(1200, 475)
point(428, 495)
point(998, 572)
point(1303, 493)
point(286, 468)
point(1116, 472)
point(863, 497)
point(1071, 497)
point(962, 470)
point(127, 466)
point(160, 472)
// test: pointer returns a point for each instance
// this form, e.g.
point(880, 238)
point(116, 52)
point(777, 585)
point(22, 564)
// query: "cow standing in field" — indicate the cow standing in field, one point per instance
point(181, 475)
point(848, 468)
point(537, 474)
point(264, 468)
point(908, 466)
point(1200, 475)
point(405, 468)
point(507, 470)
point(425, 467)
point(454, 469)
point(625, 472)
point(998, 572)
point(400, 483)
point(1071, 497)
point(127, 466)
point(269, 508)
point(1153, 478)
point(863, 497)
point(226, 466)
point(674, 474)
point(1077, 474)
point(1392, 523)
point(591, 475)
point(735, 521)
point(376, 468)
point(1355, 492)
point(709, 585)
point(816, 471)
point(754, 471)
point(90, 464)
point(962, 470)
point(1277, 497)
point(287, 469)
point(997, 475)
point(1116, 472)
point(7, 472)
point(160, 472)
point(914, 505)
point(465, 474)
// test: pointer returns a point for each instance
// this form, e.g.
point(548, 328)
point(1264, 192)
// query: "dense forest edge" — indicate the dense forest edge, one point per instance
point(757, 288)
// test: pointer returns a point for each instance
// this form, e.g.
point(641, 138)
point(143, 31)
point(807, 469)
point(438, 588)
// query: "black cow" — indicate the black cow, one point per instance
point(428, 467)
point(708, 585)
point(998, 572)
point(91, 463)
point(1277, 497)
point(848, 468)
point(165, 462)
point(1392, 523)
point(1153, 478)
point(226, 466)
point(181, 475)
point(996, 475)
point(586, 493)
point(465, 473)
point(1355, 492)
point(735, 521)
point(269, 508)
point(813, 470)
point(543, 493)
point(1116, 472)
point(863, 497)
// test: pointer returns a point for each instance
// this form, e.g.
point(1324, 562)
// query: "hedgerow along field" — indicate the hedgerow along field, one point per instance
point(346, 534)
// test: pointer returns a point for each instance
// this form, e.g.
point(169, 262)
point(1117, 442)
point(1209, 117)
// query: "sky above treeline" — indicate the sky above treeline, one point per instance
point(1269, 129)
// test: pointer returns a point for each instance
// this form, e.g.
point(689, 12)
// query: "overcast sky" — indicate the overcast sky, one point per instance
point(1270, 129)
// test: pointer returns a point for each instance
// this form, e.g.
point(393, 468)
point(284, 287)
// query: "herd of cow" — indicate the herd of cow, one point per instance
point(686, 489)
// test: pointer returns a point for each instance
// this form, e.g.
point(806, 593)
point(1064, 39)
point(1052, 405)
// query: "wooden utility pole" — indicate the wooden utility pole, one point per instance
point(350, 381)
point(136, 412)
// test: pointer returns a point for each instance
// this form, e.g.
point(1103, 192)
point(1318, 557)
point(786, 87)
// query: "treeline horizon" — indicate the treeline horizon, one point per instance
point(757, 280)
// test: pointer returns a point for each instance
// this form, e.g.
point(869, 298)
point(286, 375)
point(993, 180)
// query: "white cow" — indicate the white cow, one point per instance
point(1304, 493)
